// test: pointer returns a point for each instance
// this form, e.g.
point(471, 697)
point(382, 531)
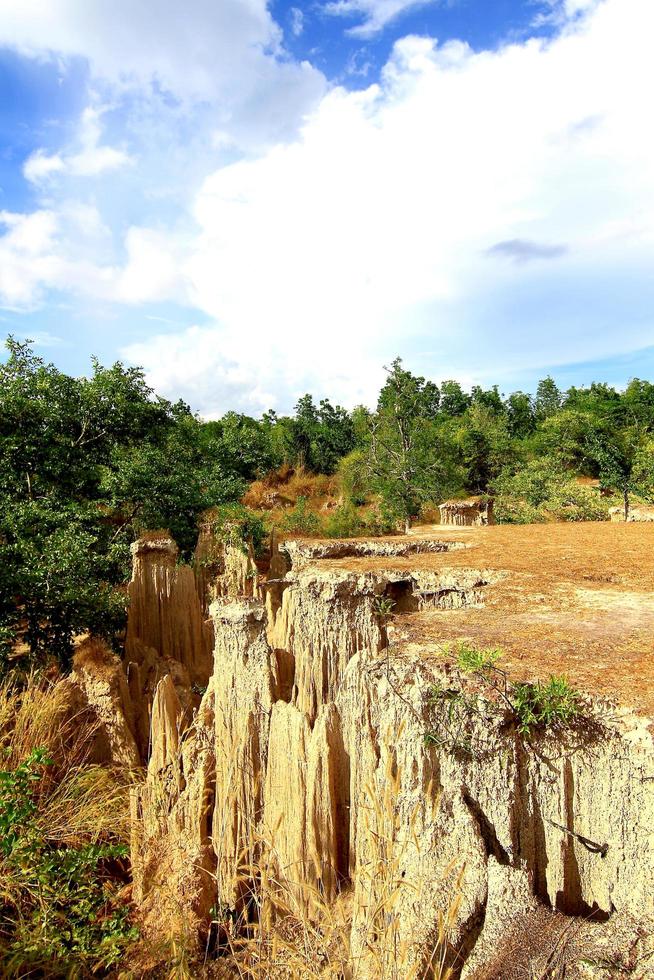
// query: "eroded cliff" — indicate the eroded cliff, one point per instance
point(325, 751)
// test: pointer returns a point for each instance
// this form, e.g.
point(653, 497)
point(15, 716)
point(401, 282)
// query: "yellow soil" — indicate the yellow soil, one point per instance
point(576, 599)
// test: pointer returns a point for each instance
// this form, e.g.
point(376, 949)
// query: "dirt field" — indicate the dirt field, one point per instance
point(576, 599)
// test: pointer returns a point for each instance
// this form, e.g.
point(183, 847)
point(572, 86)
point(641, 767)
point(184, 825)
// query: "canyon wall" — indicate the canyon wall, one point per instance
point(323, 748)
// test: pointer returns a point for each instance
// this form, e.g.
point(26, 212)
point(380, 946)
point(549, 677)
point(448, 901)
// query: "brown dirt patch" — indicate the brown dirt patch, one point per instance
point(576, 599)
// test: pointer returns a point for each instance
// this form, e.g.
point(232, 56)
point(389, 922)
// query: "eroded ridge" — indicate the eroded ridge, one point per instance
point(315, 708)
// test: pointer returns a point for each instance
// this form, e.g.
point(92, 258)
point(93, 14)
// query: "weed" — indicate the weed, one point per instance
point(531, 707)
point(545, 704)
point(383, 606)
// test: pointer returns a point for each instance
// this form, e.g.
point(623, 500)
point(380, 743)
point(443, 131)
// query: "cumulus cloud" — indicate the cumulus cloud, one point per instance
point(229, 53)
point(376, 14)
point(314, 261)
point(369, 235)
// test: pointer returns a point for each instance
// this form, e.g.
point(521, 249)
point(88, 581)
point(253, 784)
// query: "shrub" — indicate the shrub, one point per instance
point(352, 477)
point(572, 502)
point(345, 522)
point(512, 510)
point(237, 526)
point(63, 826)
point(542, 491)
point(301, 520)
point(545, 704)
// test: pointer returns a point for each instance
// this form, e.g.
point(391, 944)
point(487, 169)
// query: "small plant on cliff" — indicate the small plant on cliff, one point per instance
point(531, 707)
point(545, 704)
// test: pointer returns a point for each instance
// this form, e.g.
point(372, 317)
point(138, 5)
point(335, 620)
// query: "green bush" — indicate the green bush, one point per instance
point(542, 491)
point(353, 478)
point(237, 526)
point(301, 520)
point(58, 916)
point(545, 704)
point(573, 502)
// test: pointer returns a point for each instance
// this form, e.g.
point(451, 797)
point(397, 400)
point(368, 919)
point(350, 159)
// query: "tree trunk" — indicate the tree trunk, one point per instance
point(625, 494)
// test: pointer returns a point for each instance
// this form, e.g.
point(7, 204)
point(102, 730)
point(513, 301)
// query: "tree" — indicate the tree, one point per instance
point(625, 461)
point(520, 415)
point(548, 398)
point(485, 446)
point(405, 460)
point(85, 465)
point(453, 399)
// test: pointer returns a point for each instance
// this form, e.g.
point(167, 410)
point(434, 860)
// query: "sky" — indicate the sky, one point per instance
point(252, 200)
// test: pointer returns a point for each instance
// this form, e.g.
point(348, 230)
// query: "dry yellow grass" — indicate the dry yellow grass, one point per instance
point(78, 801)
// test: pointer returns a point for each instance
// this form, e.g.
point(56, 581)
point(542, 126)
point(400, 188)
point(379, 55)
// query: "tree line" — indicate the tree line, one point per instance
point(87, 464)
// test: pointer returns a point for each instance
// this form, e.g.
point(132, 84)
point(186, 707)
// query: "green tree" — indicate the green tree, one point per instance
point(85, 464)
point(453, 399)
point(406, 461)
point(548, 398)
point(485, 446)
point(520, 415)
point(625, 461)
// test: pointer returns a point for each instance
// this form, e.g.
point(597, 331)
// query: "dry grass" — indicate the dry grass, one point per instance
point(282, 488)
point(78, 801)
point(570, 598)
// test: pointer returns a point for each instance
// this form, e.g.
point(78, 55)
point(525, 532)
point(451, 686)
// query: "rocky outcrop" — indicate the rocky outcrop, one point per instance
point(310, 745)
point(302, 552)
point(166, 631)
point(97, 697)
point(636, 514)
point(464, 513)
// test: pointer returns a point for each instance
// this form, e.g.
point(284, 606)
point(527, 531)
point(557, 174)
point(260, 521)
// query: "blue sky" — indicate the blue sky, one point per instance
point(253, 200)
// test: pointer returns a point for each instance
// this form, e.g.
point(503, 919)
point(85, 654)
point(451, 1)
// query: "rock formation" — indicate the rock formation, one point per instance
point(308, 751)
point(636, 514)
point(466, 512)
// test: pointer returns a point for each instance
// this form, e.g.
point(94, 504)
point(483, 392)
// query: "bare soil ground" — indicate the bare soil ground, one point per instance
point(574, 599)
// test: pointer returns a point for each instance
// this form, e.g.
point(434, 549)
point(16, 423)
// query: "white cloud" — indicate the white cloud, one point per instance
point(297, 21)
point(376, 13)
point(152, 272)
point(228, 53)
point(370, 234)
point(89, 160)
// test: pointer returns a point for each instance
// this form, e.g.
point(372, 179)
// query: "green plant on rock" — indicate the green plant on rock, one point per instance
point(531, 707)
point(545, 704)
point(237, 526)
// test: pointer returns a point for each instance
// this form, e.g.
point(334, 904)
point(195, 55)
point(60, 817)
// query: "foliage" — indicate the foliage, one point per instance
point(404, 462)
point(86, 464)
point(352, 478)
point(301, 520)
point(531, 707)
point(63, 825)
point(57, 912)
point(541, 490)
point(237, 526)
point(545, 704)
